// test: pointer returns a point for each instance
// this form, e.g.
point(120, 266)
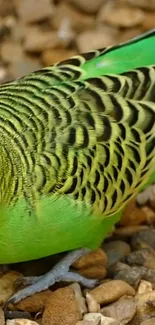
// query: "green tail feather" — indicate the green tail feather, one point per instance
point(135, 53)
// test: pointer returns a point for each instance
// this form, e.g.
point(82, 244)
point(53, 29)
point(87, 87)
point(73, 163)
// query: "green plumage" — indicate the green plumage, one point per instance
point(77, 141)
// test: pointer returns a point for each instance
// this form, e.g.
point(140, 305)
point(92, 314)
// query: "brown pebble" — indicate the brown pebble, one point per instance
point(150, 321)
point(7, 288)
point(93, 39)
point(34, 303)
point(61, 308)
point(34, 10)
point(94, 272)
point(132, 215)
point(88, 6)
point(2, 319)
point(52, 56)
point(121, 16)
point(91, 259)
point(111, 291)
point(129, 230)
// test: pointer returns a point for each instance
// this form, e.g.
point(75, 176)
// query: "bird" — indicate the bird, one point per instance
point(77, 142)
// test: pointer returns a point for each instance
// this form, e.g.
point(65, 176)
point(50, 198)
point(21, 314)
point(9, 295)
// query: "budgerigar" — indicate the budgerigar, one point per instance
point(77, 142)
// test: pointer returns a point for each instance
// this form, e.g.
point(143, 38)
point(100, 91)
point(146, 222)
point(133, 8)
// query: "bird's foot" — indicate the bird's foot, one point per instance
point(60, 272)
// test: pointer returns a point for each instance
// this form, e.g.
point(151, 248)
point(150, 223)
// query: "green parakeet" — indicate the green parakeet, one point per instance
point(77, 142)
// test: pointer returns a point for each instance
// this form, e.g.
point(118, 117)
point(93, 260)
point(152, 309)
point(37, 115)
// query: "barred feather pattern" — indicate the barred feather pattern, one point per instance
point(91, 139)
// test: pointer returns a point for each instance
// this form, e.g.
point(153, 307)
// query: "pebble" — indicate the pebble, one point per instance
point(132, 215)
point(121, 16)
point(143, 3)
point(2, 318)
point(93, 306)
point(21, 321)
point(144, 257)
point(143, 238)
point(97, 319)
point(81, 301)
point(37, 40)
point(15, 48)
point(122, 310)
point(52, 56)
point(88, 6)
point(128, 231)
point(92, 265)
point(95, 257)
point(144, 287)
point(131, 275)
point(6, 8)
point(7, 288)
point(89, 40)
point(150, 321)
point(110, 291)
point(77, 20)
point(145, 304)
point(23, 66)
point(116, 250)
point(61, 308)
point(35, 303)
point(34, 10)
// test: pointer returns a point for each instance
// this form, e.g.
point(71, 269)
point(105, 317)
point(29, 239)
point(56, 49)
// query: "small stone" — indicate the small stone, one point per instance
point(77, 20)
point(37, 40)
point(99, 319)
point(129, 230)
point(122, 310)
point(143, 257)
point(91, 7)
point(144, 287)
point(23, 66)
point(94, 272)
point(143, 238)
point(132, 215)
point(2, 318)
point(11, 51)
point(81, 302)
point(93, 306)
point(7, 288)
point(35, 303)
point(147, 195)
point(116, 250)
point(6, 8)
point(145, 304)
point(61, 308)
point(111, 291)
point(89, 40)
point(95, 257)
point(129, 34)
point(131, 275)
point(150, 214)
point(150, 321)
point(50, 57)
point(21, 321)
point(143, 3)
point(121, 16)
point(34, 10)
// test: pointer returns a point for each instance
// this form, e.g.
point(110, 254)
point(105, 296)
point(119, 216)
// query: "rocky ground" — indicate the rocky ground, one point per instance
point(36, 33)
